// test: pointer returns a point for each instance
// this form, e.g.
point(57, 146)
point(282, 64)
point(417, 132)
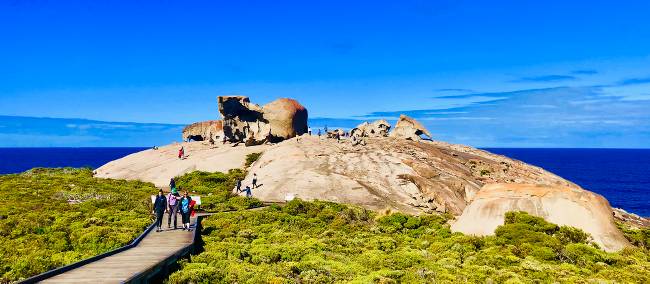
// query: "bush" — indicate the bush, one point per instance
point(54, 217)
point(251, 158)
point(324, 242)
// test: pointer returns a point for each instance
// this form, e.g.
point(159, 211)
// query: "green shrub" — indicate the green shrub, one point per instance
point(54, 217)
point(251, 158)
point(324, 242)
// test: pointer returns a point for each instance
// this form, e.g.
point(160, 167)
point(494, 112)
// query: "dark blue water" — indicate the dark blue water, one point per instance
point(621, 175)
point(16, 160)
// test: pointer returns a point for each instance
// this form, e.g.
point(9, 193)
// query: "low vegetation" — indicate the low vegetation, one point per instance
point(216, 190)
point(251, 158)
point(53, 217)
point(322, 242)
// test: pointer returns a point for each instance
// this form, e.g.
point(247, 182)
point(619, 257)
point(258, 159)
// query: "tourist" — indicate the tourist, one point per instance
point(319, 133)
point(238, 186)
point(159, 207)
point(309, 131)
point(186, 209)
point(172, 184)
point(181, 153)
point(248, 191)
point(254, 180)
point(172, 207)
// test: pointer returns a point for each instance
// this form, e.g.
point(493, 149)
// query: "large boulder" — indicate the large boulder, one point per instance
point(378, 128)
point(409, 128)
point(562, 205)
point(203, 131)
point(276, 121)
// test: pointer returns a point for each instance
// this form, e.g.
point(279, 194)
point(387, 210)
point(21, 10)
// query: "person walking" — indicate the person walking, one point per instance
point(238, 186)
point(186, 209)
point(254, 180)
point(248, 191)
point(181, 153)
point(172, 207)
point(159, 207)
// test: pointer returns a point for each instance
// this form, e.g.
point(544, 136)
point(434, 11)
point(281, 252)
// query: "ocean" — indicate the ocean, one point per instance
point(621, 175)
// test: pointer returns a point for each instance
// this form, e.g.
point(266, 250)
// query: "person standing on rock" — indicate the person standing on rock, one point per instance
point(159, 207)
point(254, 180)
point(185, 204)
point(309, 131)
point(181, 153)
point(172, 207)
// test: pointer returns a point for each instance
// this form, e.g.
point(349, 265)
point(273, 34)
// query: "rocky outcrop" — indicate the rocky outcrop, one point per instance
point(203, 131)
point(562, 205)
point(161, 164)
point(336, 133)
point(409, 128)
point(378, 128)
point(387, 173)
point(276, 121)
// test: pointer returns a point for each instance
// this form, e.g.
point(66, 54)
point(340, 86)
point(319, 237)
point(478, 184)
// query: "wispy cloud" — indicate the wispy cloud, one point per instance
point(545, 79)
point(459, 90)
point(548, 117)
point(584, 72)
point(71, 132)
point(634, 81)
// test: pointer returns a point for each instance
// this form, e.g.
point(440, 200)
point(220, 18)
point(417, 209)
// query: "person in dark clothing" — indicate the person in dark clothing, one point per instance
point(238, 185)
point(172, 184)
point(159, 207)
point(254, 180)
point(248, 191)
point(186, 209)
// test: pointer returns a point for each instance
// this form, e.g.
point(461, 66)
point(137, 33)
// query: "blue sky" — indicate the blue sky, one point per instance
point(483, 73)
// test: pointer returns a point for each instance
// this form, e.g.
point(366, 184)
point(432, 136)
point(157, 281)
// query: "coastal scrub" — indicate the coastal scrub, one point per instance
point(53, 217)
point(324, 242)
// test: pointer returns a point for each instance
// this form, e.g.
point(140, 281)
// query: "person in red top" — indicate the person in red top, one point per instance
point(181, 153)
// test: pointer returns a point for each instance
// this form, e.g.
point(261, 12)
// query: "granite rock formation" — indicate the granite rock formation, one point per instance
point(409, 128)
point(251, 124)
point(203, 131)
point(562, 205)
point(378, 128)
point(387, 173)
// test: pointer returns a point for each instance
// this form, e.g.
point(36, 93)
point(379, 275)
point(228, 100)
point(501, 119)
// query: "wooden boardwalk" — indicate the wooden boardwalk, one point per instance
point(155, 249)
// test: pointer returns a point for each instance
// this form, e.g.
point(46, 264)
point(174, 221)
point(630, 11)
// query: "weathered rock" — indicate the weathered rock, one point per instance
point(245, 122)
point(387, 173)
point(203, 131)
point(409, 128)
point(159, 165)
point(336, 132)
point(378, 128)
point(571, 206)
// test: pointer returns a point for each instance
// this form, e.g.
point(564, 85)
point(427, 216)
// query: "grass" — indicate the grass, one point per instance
point(53, 217)
point(323, 242)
